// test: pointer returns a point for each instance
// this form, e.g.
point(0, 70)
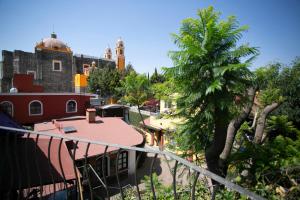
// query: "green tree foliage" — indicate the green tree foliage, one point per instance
point(267, 79)
point(270, 168)
point(105, 81)
point(164, 90)
point(278, 94)
point(265, 168)
point(135, 89)
point(156, 77)
point(209, 73)
point(278, 82)
point(289, 82)
point(128, 69)
point(280, 125)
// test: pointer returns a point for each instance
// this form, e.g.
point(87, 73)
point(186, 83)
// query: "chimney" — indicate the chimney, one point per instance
point(91, 115)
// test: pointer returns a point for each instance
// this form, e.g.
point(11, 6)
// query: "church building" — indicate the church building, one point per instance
point(53, 65)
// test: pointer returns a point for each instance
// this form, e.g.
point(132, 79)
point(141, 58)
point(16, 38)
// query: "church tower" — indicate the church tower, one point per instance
point(120, 58)
point(108, 54)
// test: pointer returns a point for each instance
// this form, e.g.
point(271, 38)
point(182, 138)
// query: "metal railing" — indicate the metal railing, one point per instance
point(29, 170)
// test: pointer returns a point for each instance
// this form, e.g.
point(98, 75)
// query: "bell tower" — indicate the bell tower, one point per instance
point(108, 54)
point(120, 58)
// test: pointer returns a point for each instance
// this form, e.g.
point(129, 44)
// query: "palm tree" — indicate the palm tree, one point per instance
point(135, 88)
point(210, 71)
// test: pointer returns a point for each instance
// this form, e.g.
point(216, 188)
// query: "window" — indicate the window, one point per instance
point(56, 65)
point(7, 107)
point(123, 160)
point(71, 106)
point(35, 108)
point(32, 72)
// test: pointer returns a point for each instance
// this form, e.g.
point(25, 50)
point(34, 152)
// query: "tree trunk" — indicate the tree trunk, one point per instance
point(262, 120)
point(232, 129)
point(213, 152)
point(141, 115)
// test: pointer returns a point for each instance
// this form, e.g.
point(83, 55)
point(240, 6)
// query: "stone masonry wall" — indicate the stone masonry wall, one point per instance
point(55, 81)
point(24, 62)
point(7, 71)
point(41, 62)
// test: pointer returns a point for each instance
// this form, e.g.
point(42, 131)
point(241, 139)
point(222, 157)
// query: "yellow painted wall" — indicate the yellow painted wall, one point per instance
point(80, 80)
point(172, 102)
point(121, 63)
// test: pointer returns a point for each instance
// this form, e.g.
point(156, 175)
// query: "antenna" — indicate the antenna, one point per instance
point(52, 28)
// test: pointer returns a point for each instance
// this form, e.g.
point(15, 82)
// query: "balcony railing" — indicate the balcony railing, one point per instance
point(42, 165)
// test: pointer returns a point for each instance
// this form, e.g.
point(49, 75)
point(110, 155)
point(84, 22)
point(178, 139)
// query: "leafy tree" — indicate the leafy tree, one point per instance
point(156, 77)
point(272, 166)
point(289, 83)
point(279, 86)
point(136, 90)
point(164, 90)
point(269, 163)
point(104, 81)
point(270, 97)
point(128, 69)
point(209, 73)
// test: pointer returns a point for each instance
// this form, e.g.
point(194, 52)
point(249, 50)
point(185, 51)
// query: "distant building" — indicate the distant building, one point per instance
point(53, 64)
point(30, 108)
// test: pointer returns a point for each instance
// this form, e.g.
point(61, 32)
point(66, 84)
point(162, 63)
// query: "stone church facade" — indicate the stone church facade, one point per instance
point(54, 65)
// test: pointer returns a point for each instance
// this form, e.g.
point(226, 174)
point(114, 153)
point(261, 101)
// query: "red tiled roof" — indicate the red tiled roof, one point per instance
point(109, 129)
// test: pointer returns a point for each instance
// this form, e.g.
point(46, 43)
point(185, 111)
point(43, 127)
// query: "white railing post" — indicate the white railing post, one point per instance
point(131, 164)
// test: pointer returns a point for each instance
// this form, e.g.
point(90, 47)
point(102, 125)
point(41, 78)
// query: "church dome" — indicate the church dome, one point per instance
point(53, 43)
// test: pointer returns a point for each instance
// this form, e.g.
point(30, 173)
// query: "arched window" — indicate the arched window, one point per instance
point(7, 107)
point(35, 108)
point(71, 106)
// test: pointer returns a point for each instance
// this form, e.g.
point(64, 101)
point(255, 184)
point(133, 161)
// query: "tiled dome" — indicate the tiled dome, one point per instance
point(53, 43)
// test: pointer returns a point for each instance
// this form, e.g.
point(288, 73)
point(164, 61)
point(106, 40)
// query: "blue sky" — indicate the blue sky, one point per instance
point(145, 26)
